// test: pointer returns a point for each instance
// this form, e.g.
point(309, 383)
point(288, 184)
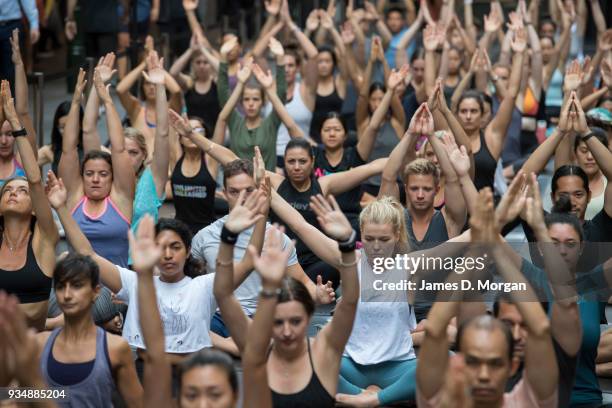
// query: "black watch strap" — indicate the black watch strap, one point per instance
point(20, 132)
point(228, 236)
point(350, 244)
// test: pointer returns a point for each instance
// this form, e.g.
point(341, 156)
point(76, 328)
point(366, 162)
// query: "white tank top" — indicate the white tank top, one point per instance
point(381, 331)
point(300, 113)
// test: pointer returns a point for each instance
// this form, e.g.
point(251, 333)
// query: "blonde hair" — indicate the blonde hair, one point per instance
point(137, 136)
point(386, 210)
point(422, 167)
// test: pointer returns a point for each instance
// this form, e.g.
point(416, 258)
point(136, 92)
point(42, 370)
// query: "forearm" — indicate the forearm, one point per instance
point(598, 17)
point(231, 102)
point(590, 101)
point(115, 130)
point(470, 194)
point(161, 149)
point(305, 44)
point(181, 62)
point(218, 152)
point(130, 79)
point(194, 24)
point(515, 76)
point(463, 84)
point(383, 31)
point(539, 158)
point(29, 162)
point(91, 138)
point(70, 138)
point(150, 320)
point(430, 71)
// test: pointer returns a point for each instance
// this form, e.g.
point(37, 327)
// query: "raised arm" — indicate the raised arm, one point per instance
point(304, 42)
point(536, 55)
point(161, 148)
point(157, 378)
point(601, 153)
point(496, 131)
point(322, 246)
point(68, 167)
point(267, 82)
point(42, 210)
point(368, 137)
point(565, 319)
point(454, 210)
point(401, 57)
point(230, 103)
point(109, 274)
point(19, 350)
point(21, 92)
point(406, 147)
point(124, 179)
point(598, 17)
point(361, 111)
point(344, 181)
point(91, 138)
point(271, 266)
point(335, 334)
point(130, 103)
point(244, 215)
point(539, 354)
point(557, 60)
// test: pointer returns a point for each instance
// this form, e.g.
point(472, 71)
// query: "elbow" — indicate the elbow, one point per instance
point(541, 329)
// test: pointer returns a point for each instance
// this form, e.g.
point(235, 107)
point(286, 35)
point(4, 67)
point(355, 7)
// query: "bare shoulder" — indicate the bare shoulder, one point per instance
point(118, 349)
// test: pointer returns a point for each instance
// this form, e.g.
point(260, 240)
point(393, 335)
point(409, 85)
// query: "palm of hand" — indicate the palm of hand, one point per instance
point(572, 81)
point(190, 5)
point(106, 73)
point(272, 264)
point(145, 254)
point(244, 74)
point(239, 219)
point(227, 47)
point(272, 7)
point(57, 196)
point(156, 75)
point(336, 225)
point(460, 162)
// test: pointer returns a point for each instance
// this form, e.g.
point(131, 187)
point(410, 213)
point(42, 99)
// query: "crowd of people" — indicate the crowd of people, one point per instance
point(297, 167)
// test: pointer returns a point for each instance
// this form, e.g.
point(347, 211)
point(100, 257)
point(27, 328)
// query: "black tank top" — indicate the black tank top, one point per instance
point(29, 283)
point(436, 232)
point(313, 395)
point(485, 165)
point(324, 105)
point(194, 197)
point(300, 200)
point(204, 106)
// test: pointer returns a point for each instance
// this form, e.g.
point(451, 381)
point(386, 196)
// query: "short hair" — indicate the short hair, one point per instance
point(293, 289)
point(422, 167)
point(395, 9)
point(236, 167)
point(75, 267)
point(207, 357)
point(488, 323)
point(292, 50)
point(96, 155)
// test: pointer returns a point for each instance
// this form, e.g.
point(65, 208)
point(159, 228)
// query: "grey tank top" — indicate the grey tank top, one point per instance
point(96, 390)
point(436, 232)
point(386, 140)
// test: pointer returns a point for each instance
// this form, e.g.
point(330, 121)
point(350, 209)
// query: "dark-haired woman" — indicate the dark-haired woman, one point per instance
point(205, 378)
point(300, 371)
point(80, 356)
point(101, 194)
point(387, 125)
point(487, 143)
point(51, 153)
point(29, 234)
point(185, 295)
point(331, 88)
point(300, 185)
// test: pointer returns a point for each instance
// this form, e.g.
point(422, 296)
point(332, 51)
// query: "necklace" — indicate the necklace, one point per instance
point(13, 247)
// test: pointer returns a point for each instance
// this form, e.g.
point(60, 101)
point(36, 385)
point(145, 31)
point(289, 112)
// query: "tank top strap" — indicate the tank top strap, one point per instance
point(117, 210)
point(310, 355)
point(81, 202)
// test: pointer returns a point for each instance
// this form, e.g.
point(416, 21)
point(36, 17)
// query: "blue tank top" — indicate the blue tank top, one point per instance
point(107, 233)
point(90, 384)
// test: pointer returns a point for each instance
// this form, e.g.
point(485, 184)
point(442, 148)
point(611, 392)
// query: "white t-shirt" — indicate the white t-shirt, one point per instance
point(205, 246)
point(186, 309)
point(383, 322)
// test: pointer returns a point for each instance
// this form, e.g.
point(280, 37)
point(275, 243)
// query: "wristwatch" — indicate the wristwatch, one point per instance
point(270, 293)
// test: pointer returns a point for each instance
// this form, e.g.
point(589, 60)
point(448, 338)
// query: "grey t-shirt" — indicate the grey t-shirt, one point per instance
point(205, 246)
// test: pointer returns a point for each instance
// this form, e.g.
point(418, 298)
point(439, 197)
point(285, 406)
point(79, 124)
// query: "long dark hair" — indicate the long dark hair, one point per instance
point(193, 267)
point(56, 137)
point(472, 94)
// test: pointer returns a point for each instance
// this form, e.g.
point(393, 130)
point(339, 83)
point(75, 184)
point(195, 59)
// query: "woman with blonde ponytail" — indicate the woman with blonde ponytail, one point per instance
point(379, 363)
